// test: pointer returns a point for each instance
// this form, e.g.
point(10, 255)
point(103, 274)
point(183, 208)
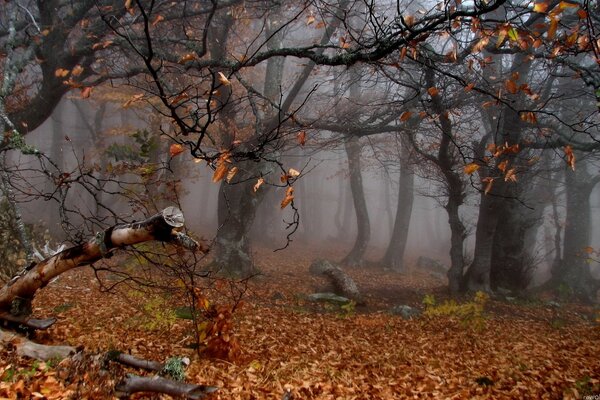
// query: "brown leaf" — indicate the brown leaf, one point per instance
point(432, 91)
point(258, 184)
point(175, 149)
point(570, 156)
point(77, 70)
point(289, 196)
point(61, 72)
point(301, 137)
point(157, 20)
point(511, 86)
point(220, 171)
point(223, 79)
point(86, 92)
point(471, 168)
point(405, 116)
point(231, 174)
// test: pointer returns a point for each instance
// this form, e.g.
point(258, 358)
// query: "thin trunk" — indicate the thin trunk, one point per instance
point(355, 256)
point(394, 255)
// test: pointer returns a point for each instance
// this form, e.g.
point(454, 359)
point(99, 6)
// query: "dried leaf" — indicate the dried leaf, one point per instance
point(301, 138)
point(293, 173)
point(187, 57)
point(489, 182)
point(77, 70)
point(510, 175)
point(471, 168)
point(175, 149)
point(231, 174)
point(570, 156)
point(405, 116)
point(157, 20)
point(502, 166)
point(511, 86)
point(220, 172)
point(61, 72)
point(432, 91)
point(310, 20)
point(540, 7)
point(258, 184)
point(289, 196)
point(86, 92)
point(223, 79)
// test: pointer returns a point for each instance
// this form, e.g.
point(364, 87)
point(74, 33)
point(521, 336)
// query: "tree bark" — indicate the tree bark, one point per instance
point(17, 294)
point(27, 348)
point(355, 257)
point(394, 255)
point(575, 271)
point(134, 384)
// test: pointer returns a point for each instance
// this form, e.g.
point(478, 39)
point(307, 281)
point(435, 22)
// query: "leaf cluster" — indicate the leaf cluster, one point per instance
point(469, 313)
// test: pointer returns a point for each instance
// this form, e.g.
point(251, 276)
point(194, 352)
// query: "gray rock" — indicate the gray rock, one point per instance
point(406, 312)
point(328, 298)
point(320, 266)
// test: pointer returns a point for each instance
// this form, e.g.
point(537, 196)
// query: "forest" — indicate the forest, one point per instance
point(270, 199)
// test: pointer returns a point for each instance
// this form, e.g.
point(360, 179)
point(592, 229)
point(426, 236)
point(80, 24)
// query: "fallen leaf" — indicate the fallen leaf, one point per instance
point(471, 168)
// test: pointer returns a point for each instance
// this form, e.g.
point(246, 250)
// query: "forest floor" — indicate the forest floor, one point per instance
point(521, 349)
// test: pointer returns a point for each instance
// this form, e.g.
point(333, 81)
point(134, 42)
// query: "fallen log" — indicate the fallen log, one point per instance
point(27, 348)
point(134, 384)
point(342, 283)
point(133, 361)
point(16, 295)
point(25, 321)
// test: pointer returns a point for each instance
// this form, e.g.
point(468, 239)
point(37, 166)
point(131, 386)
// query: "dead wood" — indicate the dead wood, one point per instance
point(17, 294)
point(134, 384)
point(136, 362)
point(27, 348)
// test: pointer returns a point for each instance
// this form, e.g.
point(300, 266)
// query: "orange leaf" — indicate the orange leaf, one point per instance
point(570, 156)
point(187, 57)
point(157, 20)
point(489, 182)
point(502, 166)
point(469, 87)
point(86, 92)
point(540, 7)
point(471, 168)
point(77, 70)
point(223, 79)
point(175, 149)
point(310, 20)
point(511, 175)
point(301, 137)
point(289, 196)
point(405, 116)
point(432, 91)
point(220, 171)
point(231, 174)
point(553, 26)
point(61, 72)
point(258, 184)
point(511, 86)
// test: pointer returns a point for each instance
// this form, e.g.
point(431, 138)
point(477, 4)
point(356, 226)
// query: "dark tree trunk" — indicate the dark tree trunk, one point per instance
point(575, 271)
point(394, 255)
point(355, 256)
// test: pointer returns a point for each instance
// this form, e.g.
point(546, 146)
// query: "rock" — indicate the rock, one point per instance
point(328, 298)
point(553, 304)
point(343, 284)
point(406, 312)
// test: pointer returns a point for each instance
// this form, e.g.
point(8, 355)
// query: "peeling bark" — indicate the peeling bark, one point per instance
point(23, 287)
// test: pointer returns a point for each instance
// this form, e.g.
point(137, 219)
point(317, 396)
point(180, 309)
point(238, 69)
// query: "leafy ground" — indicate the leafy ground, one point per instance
point(521, 349)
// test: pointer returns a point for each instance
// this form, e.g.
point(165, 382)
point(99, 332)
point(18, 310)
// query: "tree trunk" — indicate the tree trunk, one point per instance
point(237, 206)
point(575, 271)
point(16, 295)
point(355, 256)
point(394, 255)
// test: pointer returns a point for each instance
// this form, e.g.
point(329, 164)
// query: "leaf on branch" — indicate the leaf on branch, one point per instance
point(469, 87)
point(293, 173)
point(511, 175)
point(222, 168)
point(513, 34)
point(102, 45)
point(529, 116)
point(133, 99)
point(223, 79)
point(503, 165)
point(289, 196)
point(231, 174)
point(258, 184)
point(187, 57)
point(61, 72)
point(405, 116)
point(570, 156)
point(157, 20)
point(471, 168)
point(433, 91)
point(86, 92)
point(310, 20)
point(77, 70)
point(511, 86)
point(540, 7)
point(301, 137)
point(489, 182)
point(175, 149)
